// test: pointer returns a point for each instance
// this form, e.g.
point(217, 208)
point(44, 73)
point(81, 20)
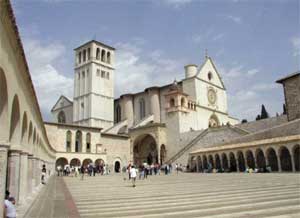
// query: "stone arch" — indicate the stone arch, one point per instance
point(78, 141)
point(211, 161)
point(285, 159)
point(3, 107)
point(241, 161)
point(24, 127)
point(218, 162)
point(224, 161)
point(163, 154)
point(250, 159)
point(61, 117)
point(272, 159)
point(260, 159)
point(103, 55)
point(86, 162)
point(99, 162)
point(205, 164)
point(117, 166)
point(62, 161)
point(98, 53)
point(213, 121)
point(68, 141)
point(296, 153)
point(14, 135)
point(232, 162)
point(145, 150)
point(75, 162)
point(30, 132)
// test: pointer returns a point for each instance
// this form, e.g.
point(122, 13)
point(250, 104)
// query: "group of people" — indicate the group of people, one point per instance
point(90, 169)
point(145, 170)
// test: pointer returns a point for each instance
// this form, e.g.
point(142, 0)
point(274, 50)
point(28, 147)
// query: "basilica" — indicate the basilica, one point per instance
point(184, 122)
point(149, 126)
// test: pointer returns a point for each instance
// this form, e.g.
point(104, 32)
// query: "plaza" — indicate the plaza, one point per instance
point(184, 195)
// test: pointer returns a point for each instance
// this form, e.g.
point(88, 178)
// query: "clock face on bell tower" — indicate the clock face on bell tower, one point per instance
point(211, 96)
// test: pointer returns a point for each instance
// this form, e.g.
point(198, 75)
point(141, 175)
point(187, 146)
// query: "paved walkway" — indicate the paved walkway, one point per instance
point(183, 195)
point(54, 201)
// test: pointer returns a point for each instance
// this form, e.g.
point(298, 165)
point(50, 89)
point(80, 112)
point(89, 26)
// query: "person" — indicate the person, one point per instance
point(9, 208)
point(133, 174)
point(176, 167)
point(82, 171)
point(128, 170)
point(44, 174)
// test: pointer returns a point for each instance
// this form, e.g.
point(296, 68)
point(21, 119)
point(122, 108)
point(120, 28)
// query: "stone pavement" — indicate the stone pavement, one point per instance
point(54, 200)
point(183, 195)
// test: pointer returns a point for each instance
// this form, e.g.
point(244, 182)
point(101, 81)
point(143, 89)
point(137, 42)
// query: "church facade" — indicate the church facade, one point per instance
point(150, 124)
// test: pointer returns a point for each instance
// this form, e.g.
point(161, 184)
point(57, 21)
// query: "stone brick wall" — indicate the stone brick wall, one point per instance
point(292, 97)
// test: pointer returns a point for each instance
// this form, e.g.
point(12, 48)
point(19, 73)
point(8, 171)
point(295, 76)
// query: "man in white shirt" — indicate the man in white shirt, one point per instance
point(10, 209)
point(133, 174)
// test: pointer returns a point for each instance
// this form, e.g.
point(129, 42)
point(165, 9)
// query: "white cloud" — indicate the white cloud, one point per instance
point(49, 83)
point(218, 37)
point(296, 45)
point(264, 86)
point(235, 19)
point(137, 70)
point(252, 72)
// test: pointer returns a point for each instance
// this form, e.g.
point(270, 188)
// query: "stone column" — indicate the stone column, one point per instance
point(14, 173)
point(30, 174)
point(293, 161)
point(23, 181)
point(237, 164)
point(278, 161)
point(37, 172)
point(3, 167)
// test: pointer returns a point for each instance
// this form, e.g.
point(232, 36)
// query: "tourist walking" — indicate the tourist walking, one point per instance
point(9, 206)
point(133, 173)
point(43, 178)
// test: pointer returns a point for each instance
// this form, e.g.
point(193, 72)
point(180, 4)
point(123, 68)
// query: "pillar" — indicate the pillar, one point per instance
point(23, 181)
point(30, 174)
point(278, 161)
point(3, 176)
point(37, 172)
point(14, 173)
point(237, 164)
point(293, 160)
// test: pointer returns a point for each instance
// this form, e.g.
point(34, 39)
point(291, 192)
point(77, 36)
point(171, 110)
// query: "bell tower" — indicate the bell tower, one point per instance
point(94, 85)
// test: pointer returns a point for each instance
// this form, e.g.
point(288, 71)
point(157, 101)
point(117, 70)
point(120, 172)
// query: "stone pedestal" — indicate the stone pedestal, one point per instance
point(3, 168)
point(13, 173)
point(23, 177)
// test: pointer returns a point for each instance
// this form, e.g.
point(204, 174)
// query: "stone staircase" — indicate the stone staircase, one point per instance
point(188, 195)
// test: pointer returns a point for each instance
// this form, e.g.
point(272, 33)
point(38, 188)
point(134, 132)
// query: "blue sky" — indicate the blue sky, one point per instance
point(253, 43)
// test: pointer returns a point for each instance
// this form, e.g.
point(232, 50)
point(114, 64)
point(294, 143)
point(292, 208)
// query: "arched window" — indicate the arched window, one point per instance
point(68, 141)
point(84, 55)
point(209, 76)
point(88, 142)
point(103, 55)
point(142, 108)
point(108, 57)
point(98, 54)
point(118, 114)
point(213, 121)
point(78, 141)
point(182, 102)
point(172, 102)
point(61, 118)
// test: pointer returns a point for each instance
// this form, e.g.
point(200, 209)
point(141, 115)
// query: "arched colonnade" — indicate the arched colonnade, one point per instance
point(283, 158)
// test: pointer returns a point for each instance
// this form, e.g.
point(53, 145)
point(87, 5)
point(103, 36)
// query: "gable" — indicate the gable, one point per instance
point(62, 102)
point(209, 73)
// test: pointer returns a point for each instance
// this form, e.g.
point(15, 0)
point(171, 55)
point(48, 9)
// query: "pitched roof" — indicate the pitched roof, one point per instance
point(61, 97)
point(297, 73)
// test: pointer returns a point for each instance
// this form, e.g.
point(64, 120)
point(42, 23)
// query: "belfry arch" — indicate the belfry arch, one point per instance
point(145, 150)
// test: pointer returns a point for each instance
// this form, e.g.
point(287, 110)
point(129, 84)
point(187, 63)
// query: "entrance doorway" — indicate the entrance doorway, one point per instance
point(117, 167)
point(145, 150)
